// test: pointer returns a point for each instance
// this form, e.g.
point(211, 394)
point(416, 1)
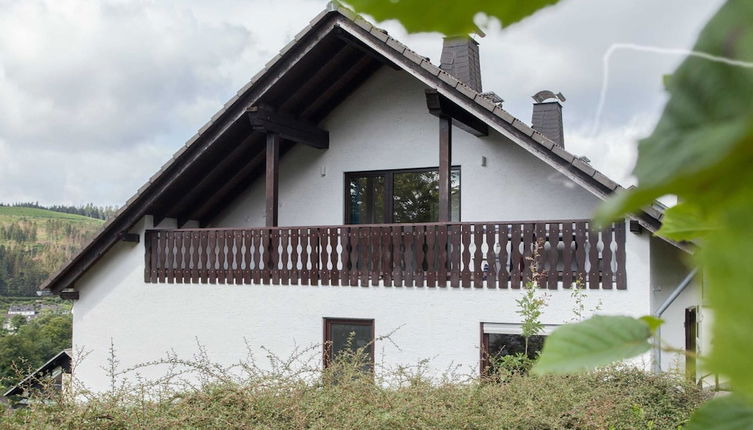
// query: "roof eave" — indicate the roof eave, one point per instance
point(395, 52)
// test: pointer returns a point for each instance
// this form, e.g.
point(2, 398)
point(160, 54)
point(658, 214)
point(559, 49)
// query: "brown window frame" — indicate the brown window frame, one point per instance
point(484, 347)
point(691, 346)
point(327, 345)
point(388, 189)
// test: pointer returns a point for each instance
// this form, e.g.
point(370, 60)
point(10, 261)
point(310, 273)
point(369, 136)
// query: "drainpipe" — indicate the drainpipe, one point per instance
point(660, 311)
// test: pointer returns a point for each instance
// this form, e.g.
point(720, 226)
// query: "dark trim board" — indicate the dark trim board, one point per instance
point(441, 107)
point(267, 120)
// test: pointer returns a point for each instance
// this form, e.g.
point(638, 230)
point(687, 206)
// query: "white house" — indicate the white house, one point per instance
point(354, 186)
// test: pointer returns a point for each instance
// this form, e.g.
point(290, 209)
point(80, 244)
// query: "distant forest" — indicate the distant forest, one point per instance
point(89, 210)
point(35, 241)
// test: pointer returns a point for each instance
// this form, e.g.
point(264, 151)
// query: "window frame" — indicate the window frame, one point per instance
point(327, 343)
point(501, 328)
point(389, 214)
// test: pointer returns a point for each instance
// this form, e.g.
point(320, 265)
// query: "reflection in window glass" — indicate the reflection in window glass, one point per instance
point(349, 335)
point(341, 338)
point(416, 196)
point(367, 199)
point(498, 345)
point(501, 344)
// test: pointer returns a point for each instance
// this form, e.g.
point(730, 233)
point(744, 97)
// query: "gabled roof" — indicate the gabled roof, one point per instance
point(61, 359)
point(335, 53)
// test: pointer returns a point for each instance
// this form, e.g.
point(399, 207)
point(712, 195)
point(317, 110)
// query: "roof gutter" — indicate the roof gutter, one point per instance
point(660, 311)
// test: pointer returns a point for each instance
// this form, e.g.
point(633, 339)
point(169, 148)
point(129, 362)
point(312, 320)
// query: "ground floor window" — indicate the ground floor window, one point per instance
point(691, 342)
point(398, 196)
point(499, 340)
point(341, 335)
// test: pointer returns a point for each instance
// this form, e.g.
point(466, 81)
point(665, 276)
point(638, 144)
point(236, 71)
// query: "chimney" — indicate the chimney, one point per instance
point(460, 59)
point(547, 116)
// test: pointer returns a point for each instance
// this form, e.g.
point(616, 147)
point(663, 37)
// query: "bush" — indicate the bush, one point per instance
point(506, 366)
point(345, 397)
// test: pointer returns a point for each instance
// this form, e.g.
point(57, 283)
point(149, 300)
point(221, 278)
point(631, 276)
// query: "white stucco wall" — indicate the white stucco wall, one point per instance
point(146, 321)
point(668, 269)
point(384, 125)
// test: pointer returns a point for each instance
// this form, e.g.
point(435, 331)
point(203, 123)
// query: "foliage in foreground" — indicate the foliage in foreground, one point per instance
point(344, 397)
point(700, 151)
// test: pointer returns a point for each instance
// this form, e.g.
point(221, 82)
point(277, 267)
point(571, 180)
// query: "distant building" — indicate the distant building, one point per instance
point(56, 372)
point(29, 312)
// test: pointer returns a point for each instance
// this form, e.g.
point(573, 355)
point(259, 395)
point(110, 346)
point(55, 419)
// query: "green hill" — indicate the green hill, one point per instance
point(15, 212)
point(35, 242)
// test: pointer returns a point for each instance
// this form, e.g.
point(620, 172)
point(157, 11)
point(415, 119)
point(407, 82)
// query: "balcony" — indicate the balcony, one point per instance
point(455, 255)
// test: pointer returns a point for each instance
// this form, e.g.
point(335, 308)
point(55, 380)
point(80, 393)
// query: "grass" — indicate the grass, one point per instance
point(39, 217)
point(19, 212)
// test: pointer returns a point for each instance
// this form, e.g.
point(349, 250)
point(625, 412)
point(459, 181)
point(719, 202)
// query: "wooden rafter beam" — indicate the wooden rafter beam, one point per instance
point(367, 51)
point(272, 180)
point(129, 237)
point(267, 120)
point(440, 106)
point(337, 86)
point(240, 182)
point(208, 183)
point(314, 84)
point(200, 213)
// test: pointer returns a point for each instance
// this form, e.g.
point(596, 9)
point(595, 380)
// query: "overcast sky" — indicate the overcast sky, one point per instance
point(96, 96)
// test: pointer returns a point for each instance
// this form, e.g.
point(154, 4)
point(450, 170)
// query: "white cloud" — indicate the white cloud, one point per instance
point(109, 74)
point(95, 96)
point(613, 150)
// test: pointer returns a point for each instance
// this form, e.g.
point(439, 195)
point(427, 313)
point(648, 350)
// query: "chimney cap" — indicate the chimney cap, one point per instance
point(545, 95)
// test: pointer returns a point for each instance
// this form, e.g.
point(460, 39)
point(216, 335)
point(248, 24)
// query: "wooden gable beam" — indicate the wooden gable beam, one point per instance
point(227, 194)
point(69, 294)
point(267, 120)
point(366, 50)
point(207, 185)
point(220, 194)
point(272, 180)
point(341, 60)
point(440, 106)
point(366, 63)
point(445, 167)
point(129, 237)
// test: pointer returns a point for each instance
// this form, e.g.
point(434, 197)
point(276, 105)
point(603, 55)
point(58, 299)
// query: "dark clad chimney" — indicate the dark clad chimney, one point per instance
point(547, 116)
point(460, 59)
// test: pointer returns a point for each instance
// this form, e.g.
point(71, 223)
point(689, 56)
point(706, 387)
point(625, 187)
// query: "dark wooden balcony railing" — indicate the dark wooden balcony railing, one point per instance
point(491, 255)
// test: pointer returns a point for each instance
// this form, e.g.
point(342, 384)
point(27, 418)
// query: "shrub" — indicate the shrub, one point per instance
point(346, 397)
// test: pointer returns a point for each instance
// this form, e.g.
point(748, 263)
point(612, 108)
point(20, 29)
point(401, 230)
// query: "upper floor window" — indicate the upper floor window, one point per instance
point(398, 196)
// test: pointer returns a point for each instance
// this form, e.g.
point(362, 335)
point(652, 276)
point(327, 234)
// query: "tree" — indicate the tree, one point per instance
point(32, 345)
